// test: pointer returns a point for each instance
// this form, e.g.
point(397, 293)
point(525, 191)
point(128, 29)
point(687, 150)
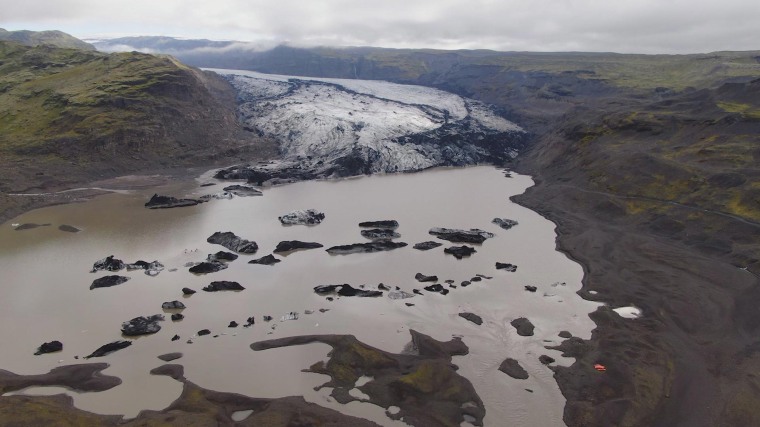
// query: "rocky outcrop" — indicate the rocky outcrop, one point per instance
point(345, 291)
point(504, 223)
point(391, 224)
point(49, 347)
point(380, 234)
point(473, 235)
point(294, 245)
point(166, 202)
point(460, 252)
point(426, 246)
point(265, 260)
point(523, 326)
point(108, 263)
point(223, 286)
point(303, 217)
point(512, 368)
point(142, 325)
point(356, 248)
point(232, 242)
point(472, 317)
point(109, 348)
point(108, 281)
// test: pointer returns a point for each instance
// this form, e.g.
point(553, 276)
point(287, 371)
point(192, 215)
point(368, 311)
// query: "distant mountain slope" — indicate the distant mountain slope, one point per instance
point(68, 116)
point(337, 127)
point(49, 38)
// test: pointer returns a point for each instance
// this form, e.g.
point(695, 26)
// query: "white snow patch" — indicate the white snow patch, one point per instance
point(631, 312)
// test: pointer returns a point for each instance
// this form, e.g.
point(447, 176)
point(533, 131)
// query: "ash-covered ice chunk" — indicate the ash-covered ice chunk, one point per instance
point(473, 235)
point(304, 217)
point(504, 223)
point(142, 325)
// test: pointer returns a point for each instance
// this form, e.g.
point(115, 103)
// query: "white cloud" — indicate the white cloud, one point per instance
point(648, 26)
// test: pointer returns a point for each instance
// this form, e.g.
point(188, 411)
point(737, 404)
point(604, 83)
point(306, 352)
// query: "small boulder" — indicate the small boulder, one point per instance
point(545, 359)
point(232, 242)
point(187, 291)
point(68, 228)
point(49, 347)
point(173, 305)
point(425, 246)
point(109, 348)
point(472, 317)
point(265, 260)
point(530, 288)
point(142, 325)
point(506, 266)
point(233, 324)
point(293, 245)
point(460, 252)
point(513, 368)
point(223, 285)
point(203, 332)
point(176, 317)
point(108, 281)
point(423, 278)
point(168, 357)
point(523, 326)
point(504, 223)
point(208, 267)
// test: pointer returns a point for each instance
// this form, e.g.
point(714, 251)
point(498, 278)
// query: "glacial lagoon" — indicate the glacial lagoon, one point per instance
point(45, 293)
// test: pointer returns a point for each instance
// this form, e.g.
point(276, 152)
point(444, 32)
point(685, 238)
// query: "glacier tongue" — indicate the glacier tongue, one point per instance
point(336, 127)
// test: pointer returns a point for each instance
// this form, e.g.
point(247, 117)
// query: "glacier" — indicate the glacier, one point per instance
point(341, 127)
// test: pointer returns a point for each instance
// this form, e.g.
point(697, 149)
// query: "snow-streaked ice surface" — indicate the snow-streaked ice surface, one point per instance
point(379, 126)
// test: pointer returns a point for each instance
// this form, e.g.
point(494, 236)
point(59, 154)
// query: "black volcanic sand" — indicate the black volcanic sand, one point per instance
point(196, 406)
point(424, 384)
point(691, 359)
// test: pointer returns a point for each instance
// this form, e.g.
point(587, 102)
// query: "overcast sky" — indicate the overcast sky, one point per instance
point(644, 26)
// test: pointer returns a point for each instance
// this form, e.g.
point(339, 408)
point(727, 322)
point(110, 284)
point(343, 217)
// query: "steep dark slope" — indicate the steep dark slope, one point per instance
point(658, 200)
point(70, 116)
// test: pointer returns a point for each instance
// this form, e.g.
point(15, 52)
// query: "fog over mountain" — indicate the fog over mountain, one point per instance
point(627, 26)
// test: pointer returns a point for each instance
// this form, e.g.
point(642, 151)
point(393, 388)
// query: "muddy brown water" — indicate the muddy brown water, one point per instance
point(45, 292)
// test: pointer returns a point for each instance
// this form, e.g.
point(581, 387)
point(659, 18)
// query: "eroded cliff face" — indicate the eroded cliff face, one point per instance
point(336, 127)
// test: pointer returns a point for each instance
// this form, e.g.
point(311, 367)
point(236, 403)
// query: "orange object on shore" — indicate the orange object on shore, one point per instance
point(601, 368)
